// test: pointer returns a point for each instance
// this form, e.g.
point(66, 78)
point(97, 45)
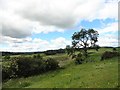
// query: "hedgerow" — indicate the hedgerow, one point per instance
point(27, 66)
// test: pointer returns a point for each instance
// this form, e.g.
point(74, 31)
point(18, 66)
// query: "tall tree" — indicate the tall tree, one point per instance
point(84, 39)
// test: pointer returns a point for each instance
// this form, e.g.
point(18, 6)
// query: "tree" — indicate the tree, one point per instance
point(84, 39)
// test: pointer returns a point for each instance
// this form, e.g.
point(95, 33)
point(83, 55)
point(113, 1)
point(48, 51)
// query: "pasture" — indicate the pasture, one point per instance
point(91, 74)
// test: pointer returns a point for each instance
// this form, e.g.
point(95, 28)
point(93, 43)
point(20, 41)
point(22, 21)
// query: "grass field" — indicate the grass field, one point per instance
point(93, 74)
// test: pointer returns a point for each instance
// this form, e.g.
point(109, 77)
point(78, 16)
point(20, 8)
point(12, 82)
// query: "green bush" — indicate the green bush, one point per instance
point(109, 54)
point(27, 66)
point(23, 67)
point(80, 58)
point(7, 57)
point(114, 49)
point(38, 56)
point(8, 70)
point(51, 64)
point(6, 73)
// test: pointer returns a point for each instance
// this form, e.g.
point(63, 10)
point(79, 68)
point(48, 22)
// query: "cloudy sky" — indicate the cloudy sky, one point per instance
point(38, 25)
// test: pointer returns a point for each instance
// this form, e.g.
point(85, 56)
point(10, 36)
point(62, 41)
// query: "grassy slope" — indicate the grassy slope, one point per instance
point(99, 74)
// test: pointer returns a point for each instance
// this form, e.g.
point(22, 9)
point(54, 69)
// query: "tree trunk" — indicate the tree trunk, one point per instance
point(85, 50)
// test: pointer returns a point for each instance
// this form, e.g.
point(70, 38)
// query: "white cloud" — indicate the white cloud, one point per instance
point(29, 44)
point(14, 25)
point(108, 35)
point(19, 27)
point(20, 18)
point(110, 10)
point(45, 28)
point(59, 43)
point(109, 40)
point(109, 28)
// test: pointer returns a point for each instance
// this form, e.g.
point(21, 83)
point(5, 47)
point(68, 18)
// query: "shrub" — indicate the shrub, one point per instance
point(79, 58)
point(23, 67)
point(34, 56)
point(114, 50)
point(38, 56)
point(6, 73)
point(7, 57)
point(28, 66)
point(51, 64)
point(8, 70)
point(74, 56)
point(109, 54)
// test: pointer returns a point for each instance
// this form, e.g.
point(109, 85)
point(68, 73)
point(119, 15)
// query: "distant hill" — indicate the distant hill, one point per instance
point(48, 52)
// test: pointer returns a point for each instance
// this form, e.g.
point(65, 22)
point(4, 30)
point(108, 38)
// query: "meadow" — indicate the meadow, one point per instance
point(91, 74)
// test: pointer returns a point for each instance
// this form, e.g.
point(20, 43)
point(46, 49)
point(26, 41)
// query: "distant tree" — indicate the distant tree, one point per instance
point(60, 50)
point(84, 39)
point(50, 52)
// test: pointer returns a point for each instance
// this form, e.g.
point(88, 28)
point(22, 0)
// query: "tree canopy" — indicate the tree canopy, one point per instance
point(84, 39)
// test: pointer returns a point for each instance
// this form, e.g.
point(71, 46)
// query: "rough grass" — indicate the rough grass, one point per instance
point(98, 74)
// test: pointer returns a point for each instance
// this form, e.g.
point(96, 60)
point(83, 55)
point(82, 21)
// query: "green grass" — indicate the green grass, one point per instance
point(98, 74)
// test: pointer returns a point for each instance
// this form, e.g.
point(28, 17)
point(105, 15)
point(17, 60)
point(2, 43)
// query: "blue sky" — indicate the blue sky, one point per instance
point(97, 24)
point(38, 25)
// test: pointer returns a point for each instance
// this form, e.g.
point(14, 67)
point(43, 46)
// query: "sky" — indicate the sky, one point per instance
point(39, 25)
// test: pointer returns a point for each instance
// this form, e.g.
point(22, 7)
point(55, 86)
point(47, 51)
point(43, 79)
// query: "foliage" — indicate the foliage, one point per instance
point(88, 75)
point(38, 56)
point(6, 72)
point(108, 54)
point(84, 39)
point(114, 49)
point(7, 57)
point(27, 66)
point(51, 64)
point(80, 58)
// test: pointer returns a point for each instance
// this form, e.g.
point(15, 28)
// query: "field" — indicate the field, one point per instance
point(93, 74)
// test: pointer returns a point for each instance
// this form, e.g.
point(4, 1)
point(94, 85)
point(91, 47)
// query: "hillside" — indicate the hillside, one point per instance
point(93, 74)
